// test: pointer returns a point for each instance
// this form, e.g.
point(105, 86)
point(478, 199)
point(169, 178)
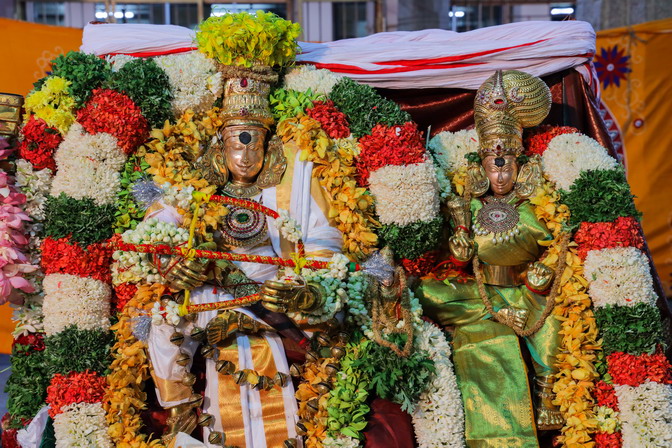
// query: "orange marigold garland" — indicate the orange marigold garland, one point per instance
point(130, 369)
point(579, 346)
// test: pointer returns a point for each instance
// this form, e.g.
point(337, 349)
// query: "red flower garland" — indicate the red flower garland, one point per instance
point(605, 395)
point(8, 438)
point(123, 294)
point(332, 120)
point(39, 143)
point(632, 370)
point(604, 440)
point(624, 232)
point(395, 145)
point(116, 114)
point(79, 387)
point(537, 141)
point(63, 256)
point(421, 266)
point(34, 342)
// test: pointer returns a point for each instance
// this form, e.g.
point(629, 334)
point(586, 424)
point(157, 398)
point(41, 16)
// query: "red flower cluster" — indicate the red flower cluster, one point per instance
point(421, 266)
point(605, 395)
point(39, 143)
point(8, 438)
point(395, 145)
point(632, 370)
point(80, 387)
point(333, 121)
point(63, 256)
point(604, 440)
point(624, 232)
point(537, 141)
point(34, 341)
point(123, 294)
point(116, 114)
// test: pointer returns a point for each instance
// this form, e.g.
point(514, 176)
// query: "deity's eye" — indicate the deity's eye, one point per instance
point(245, 138)
point(500, 162)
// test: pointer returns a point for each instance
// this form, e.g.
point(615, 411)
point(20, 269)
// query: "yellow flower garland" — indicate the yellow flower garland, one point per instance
point(52, 103)
point(576, 359)
point(125, 399)
point(351, 207)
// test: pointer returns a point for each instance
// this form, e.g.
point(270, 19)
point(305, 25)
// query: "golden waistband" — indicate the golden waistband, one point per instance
point(503, 275)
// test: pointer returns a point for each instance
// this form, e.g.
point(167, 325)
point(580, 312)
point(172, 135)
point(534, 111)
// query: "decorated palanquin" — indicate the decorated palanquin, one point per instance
point(236, 250)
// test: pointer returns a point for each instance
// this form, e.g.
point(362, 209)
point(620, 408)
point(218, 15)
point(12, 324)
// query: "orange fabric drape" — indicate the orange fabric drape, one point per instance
point(26, 52)
point(634, 67)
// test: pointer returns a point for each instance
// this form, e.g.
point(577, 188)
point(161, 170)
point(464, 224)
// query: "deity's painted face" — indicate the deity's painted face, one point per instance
point(244, 152)
point(502, 172)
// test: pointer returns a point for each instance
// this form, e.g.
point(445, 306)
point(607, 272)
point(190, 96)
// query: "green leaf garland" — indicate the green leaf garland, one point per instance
point(149, 88)
point(629, 329)
point(87, 222)
point(27, 386)
point(75, 350)
point(413, 240)
point(85, 71)
point(365, 108)
point(600, 196)
point(291, 103)
point(129, 213)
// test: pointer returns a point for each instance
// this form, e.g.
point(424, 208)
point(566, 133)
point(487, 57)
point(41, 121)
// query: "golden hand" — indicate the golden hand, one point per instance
point(539, 276)
point(283, 297)
point(188, 274)
point(461, 246)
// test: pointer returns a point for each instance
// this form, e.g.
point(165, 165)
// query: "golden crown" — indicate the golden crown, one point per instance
point(246, 93)
point(506, 103)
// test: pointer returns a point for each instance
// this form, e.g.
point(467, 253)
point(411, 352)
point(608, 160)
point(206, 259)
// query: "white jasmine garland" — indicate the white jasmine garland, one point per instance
point(405, 194)
point(71, 300)
point(568, 155)
point(607, 419)
point(450, 148)
point(646, 415)
point(194, 80)
point(82, 425)
point(358, 313)
point(168, 313)
point(177, 197)
point(35, 185)
point(119, 60)
point(334, 289)
point(304, 77)
point(28, 317)
point(288, 227)
point(619, 276)
point(136, 267)
point(338, 266)
point(88, 166)
point(438, 418)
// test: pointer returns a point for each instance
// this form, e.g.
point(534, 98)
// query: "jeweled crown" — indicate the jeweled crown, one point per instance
point(246, 96)
point(506, 103)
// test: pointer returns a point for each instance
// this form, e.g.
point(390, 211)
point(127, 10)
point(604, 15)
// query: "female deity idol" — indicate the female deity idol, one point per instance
point(507, 303)
point(249, 400)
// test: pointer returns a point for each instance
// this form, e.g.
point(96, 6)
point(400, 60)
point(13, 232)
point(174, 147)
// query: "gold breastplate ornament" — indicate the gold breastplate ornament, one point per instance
point(498, 217)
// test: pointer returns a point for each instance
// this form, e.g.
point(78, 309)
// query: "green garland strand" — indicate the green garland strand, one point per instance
point(413, 240)
point(27, 386)
point(291, 103)
point(365, 108)
point(75, 350)
point(129, 213)
point(599, 196)
point(149, 88)
point(85, 72)
point(629, 329)
point(87, 222)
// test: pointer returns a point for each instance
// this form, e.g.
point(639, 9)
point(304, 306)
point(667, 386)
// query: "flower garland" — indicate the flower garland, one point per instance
point(128, 213)
point(449, 149)
point(116, 114)
point(646, 414)
point(194, 81)
point(536, 142)
point(245, 39)
point(77, 387)
point(81, 219)
point(89, 166)
point(38, 143)
point(302, 78)
point(85, 72)
point(623, 232)
point(438, 419)
point(35, 185)
point(61, 256)
point(52, 103)
point(332, 120)
point(287, 104)
point(570, 154)
point(82, 425)
point(577, 355)
point(350, 206)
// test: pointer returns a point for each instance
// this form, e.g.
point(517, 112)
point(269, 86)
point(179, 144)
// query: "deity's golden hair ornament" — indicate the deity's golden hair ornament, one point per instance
point(506, 103)
point(246, 93)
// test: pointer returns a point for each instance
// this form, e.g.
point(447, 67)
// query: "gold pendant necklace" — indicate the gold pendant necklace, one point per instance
point(499, 217)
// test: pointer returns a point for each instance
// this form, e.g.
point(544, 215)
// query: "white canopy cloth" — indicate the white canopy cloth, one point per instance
point(398, 60)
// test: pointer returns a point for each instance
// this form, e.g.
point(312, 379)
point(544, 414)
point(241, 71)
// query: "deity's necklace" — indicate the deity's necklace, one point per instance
point(499, 217)
point(243, 227)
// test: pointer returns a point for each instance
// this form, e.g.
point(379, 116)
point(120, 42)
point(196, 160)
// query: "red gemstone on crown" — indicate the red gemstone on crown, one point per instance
point(243, 82)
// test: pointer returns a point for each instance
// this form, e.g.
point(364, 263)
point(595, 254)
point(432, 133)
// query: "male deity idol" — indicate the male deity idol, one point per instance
point(505, 305)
